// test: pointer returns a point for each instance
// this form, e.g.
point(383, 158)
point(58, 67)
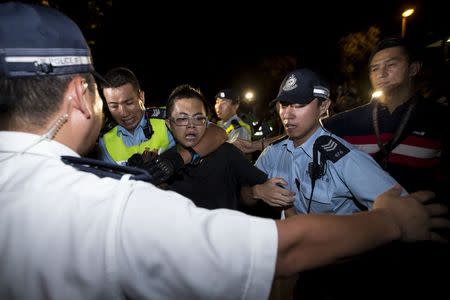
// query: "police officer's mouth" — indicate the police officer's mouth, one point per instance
point(289, 125)
point(128, 121)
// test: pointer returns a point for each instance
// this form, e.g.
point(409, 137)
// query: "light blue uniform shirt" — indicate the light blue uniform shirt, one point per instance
point(130, 139)
point(355, 174)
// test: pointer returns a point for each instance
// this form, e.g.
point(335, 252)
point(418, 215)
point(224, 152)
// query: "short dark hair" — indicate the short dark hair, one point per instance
point(184, 91)
point(391, 42)
point(117, 77)
point(34, 99)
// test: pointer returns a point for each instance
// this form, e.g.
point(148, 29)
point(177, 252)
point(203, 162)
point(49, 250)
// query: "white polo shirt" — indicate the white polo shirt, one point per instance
point(67, 234)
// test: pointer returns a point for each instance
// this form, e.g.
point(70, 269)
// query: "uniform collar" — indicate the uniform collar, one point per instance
point(307, 146)
point(233, 117)
point(123, 131)
point(16, 142)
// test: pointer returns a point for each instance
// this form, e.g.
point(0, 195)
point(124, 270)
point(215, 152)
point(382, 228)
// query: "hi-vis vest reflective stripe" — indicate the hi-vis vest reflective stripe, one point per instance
point(120, 152)
point(233, 126)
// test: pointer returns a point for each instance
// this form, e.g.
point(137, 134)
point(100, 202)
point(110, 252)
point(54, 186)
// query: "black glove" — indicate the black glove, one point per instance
point(163, 166)
point(136, 160)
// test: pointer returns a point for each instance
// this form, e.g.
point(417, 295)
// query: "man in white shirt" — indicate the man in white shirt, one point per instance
point(68, 234)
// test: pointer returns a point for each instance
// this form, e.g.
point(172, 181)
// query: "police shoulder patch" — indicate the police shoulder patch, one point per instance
point(235, 124)
point(105, 169)
point(331, 148)
point(280, 139)
point(156, 113)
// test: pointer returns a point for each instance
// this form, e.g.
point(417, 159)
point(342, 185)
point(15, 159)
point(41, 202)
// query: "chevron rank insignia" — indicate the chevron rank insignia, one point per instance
point(333, 149)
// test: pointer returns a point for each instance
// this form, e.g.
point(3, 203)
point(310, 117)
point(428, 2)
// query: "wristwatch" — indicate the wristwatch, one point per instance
point(195, 157)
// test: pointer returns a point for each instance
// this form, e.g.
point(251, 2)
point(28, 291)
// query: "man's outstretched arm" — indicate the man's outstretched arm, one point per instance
point(310, 241)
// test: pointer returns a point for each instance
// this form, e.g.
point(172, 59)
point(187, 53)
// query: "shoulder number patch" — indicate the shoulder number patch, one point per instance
point(331, 148)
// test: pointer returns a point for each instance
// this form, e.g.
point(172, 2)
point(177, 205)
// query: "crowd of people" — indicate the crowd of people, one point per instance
point(373, 179)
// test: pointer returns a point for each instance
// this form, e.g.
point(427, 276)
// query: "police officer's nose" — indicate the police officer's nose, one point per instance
point(122, 110)
point(287, 112)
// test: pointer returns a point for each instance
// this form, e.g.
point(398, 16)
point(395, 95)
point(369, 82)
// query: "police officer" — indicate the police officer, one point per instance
point(227, 104)
point(68, 234)
point(137, 129)
point(134, 131)
point(327, 174)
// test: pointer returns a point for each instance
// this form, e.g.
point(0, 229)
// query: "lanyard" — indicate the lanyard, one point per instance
point(386, 148)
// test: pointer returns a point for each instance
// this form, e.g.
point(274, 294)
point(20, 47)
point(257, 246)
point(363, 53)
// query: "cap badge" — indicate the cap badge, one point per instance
point(290, 84)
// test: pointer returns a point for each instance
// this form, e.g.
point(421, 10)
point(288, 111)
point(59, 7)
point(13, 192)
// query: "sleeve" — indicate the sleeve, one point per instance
point(244, 134)
point(246, 173)
point(103, 153)
point(264, 161)
point(364, 177)
point(170, 249)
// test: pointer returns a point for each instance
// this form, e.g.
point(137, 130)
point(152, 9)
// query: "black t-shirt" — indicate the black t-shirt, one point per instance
point(216, 181)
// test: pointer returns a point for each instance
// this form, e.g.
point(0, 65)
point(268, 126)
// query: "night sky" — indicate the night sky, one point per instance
point(225, 44)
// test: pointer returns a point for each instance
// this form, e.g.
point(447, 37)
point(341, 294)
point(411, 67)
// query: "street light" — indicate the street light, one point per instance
point(249, 96)
point(406, 14)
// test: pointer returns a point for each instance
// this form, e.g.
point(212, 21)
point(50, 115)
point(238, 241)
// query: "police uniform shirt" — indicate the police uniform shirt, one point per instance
point(67, 234)
point(240, 132)
point(130, 139)
point(355, 174)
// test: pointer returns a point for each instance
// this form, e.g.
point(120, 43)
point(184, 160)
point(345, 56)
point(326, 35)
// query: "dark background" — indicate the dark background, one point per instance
point(218, 44)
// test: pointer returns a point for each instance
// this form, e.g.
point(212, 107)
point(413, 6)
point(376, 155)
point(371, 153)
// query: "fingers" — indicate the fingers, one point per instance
point(436, 209)
point(394, 191)
point(278, 199)
point(422, 196)
point(278, 180)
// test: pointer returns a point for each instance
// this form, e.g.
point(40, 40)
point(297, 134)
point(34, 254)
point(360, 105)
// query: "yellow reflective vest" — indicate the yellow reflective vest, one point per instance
point(234, 125)
point(120, 152)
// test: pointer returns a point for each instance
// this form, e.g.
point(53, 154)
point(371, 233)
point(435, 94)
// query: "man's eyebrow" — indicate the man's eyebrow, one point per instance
point(186, 114)
point(395, 58)
point(116, 102)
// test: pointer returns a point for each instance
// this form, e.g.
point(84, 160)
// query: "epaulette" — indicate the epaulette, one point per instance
point(109, 124)
point(236, 124)
point(330, 147)
point(280, 139)
point(156, 113)
point(104, 169)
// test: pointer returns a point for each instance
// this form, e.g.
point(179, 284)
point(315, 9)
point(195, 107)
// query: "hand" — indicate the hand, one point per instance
point(414, 219)
point(136, 160)
point(274, 193)
point(245, 146)
point(140, 160)
point(164, 166)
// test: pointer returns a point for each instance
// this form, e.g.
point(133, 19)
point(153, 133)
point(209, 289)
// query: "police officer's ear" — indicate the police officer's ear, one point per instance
point(78, 91)
point(141, 96)
point(324, 106)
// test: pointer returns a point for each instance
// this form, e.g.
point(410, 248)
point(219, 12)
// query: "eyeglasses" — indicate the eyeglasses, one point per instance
point(184, 120)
